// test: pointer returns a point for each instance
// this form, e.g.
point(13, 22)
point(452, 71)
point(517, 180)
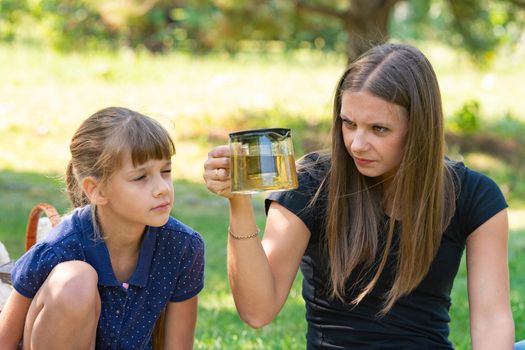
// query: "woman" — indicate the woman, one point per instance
point(378, 225)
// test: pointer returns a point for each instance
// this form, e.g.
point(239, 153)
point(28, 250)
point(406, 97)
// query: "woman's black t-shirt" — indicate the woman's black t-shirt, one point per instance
point(419, 320)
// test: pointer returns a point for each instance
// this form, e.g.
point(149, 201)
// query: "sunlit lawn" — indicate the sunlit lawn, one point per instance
point(219, 326)
point(44, 96)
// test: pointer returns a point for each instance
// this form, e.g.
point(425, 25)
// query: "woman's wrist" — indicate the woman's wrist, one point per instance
point(237, 200)
point(242, 218)
point(244, 235)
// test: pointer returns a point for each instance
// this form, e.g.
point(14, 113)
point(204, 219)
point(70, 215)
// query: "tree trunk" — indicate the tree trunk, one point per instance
point(365, 22)
point(366, 25)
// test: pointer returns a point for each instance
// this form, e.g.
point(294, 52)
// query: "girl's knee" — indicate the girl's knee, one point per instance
point(72, 285)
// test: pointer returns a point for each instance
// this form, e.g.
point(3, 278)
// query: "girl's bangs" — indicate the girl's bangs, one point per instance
point(150, 144)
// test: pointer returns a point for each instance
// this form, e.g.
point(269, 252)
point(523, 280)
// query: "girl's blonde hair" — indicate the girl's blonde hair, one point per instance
point(422, 191)
point(98, 146)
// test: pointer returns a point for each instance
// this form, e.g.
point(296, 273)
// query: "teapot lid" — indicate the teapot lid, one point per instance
point(282, 132)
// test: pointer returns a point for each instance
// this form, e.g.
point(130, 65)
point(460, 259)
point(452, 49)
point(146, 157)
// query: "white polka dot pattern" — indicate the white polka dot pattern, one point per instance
point(171, 263)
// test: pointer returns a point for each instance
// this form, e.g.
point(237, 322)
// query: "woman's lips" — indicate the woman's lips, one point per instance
point(362, 161)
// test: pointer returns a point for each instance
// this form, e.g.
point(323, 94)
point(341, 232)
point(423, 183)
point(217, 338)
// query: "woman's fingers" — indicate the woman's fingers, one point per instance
point(220, 174)
point(220, 152)
point(217, 171)
point(221, 188)
point(218, 158)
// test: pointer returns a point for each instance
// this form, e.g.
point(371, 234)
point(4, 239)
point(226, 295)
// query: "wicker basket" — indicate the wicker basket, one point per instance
point(31, 233)
point(34, 217)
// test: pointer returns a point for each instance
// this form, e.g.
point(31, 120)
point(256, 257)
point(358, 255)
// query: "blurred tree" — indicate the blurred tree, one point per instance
point(11, 13)
point(137, 23)
point(364, 21)
point(477, 26)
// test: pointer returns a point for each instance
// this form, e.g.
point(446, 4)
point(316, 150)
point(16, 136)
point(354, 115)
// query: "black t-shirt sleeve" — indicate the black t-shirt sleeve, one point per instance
point(480, 199)
point(298, 201)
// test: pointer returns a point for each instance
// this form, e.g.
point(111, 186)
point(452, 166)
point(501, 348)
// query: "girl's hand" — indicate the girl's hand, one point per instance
point(217, 171)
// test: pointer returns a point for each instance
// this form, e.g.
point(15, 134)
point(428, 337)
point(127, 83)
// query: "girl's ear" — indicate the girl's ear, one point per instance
point(93, 191)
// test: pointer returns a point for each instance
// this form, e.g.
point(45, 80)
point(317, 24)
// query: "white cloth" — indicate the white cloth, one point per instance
point(5, 289)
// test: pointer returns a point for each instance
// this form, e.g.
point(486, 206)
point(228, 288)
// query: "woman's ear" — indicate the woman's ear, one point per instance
point(91, 187)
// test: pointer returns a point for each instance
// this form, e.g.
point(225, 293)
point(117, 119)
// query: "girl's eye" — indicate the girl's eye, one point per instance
point(166, 171)
point(139, 178)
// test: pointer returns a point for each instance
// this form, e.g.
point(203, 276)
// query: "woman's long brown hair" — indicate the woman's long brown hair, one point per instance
point(422, 192)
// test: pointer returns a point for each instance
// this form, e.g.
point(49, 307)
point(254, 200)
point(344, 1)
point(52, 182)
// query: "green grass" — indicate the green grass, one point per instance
point(200, 99)
point(45, 95)
point(219, 326)
point(459, 313)
point(20, 191)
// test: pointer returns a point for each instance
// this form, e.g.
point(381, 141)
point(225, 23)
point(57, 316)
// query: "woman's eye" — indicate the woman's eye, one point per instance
point(348, 123)
point(380, 129)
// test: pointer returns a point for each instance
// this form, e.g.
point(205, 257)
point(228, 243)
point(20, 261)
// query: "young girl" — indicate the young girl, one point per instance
point(102, 278)
point(378, 225)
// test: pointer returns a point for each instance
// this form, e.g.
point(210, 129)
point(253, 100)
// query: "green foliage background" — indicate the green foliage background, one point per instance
point(207, 68)
point(199, 26)
point(45, 95)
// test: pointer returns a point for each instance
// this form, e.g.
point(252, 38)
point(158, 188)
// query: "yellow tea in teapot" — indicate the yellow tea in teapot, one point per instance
point(263, 173)
point(262, 160)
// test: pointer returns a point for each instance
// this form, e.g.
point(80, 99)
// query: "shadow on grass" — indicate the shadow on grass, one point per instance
point(219, 326)
point(459, 311)
point(517, 280)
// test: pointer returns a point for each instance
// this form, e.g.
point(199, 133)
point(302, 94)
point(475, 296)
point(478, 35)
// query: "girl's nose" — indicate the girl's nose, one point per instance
point(162, 187)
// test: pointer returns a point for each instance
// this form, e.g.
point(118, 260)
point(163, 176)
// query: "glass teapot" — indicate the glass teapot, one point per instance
point(262, 160)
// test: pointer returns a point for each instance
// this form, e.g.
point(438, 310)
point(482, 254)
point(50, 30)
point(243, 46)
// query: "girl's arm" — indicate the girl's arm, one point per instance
point(261, 273)
point(180, 321)
point(12, 320)
point(491, 324)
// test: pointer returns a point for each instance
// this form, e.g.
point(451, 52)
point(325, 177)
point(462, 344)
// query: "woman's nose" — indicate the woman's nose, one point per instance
point(359, 142)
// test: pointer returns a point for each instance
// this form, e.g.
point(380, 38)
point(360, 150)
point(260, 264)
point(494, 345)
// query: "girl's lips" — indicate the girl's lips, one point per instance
point(162, 206)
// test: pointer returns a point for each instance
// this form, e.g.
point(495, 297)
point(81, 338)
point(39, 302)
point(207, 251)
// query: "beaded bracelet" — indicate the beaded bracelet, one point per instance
point(256, 234)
